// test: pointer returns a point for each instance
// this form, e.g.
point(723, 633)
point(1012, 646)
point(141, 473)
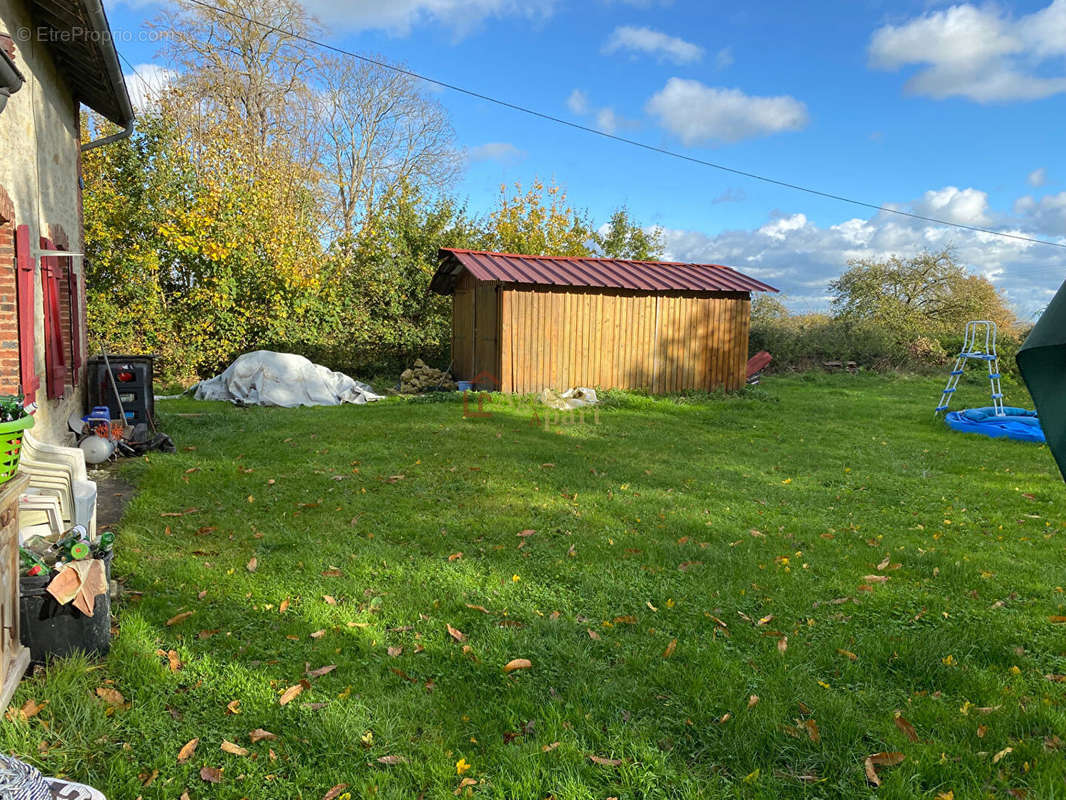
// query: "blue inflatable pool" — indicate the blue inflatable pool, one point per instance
point(1018, 423)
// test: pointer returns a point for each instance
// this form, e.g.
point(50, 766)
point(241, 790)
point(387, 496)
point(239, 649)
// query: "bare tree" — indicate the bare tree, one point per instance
point(379, 133)
point(242, 66)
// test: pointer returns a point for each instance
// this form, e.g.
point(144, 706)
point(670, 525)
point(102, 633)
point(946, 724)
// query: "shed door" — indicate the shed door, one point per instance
point(463, 333)
point(487, 336)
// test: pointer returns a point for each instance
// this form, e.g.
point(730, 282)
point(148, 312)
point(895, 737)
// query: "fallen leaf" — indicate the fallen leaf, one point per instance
point(394, 651)
point(875, 578)
point(113, 697)
point(593, 635)
point(850, 656)
point(812, 730)
point(907, 728)
point(179, 618)
point(233, 749)
point(1001, 754)
point(1057, 618)
point(463, 784)
point(768, 618)
point(782, 644)
point(333, 793)
point(174, 660)
point(284, 606)
point(455, 633)
point(482, 609)
point(290, 694)
point(880, 760)
point(669, 651)
point(318, 673)
point(455, 556)
point(884, 564)
point(211, 775)
point(392, 760)
point(517, 663)
point(330, 599)
point(29, 710)
point(233, 707)
point(318, 634)
point(605, 762)
point(259, 735)
point(147, 778)
point(753, 700)
point(186, 752)
point(549, 747)
point(527, 532)
point(253, 564)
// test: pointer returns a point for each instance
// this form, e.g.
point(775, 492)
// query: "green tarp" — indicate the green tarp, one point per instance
point(1042, 361)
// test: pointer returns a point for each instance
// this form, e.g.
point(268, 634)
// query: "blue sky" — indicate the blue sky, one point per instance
point(954, 111)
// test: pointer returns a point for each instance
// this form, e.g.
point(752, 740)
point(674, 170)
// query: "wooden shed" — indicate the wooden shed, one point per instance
point(526, 323)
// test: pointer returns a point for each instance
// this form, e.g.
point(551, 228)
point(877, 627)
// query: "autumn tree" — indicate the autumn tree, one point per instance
point(621, 237)
point(537, 221)
point(930, 293)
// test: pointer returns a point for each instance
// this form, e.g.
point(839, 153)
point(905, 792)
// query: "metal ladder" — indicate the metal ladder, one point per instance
point(972, 348)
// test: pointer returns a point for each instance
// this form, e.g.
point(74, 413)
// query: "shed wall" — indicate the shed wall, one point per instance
point(561, 338)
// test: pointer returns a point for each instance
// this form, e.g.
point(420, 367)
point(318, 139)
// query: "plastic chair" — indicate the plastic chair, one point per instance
point(59, 472)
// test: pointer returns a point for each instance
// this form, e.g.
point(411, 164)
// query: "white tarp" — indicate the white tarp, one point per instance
point(265, 378)
point(570, 399)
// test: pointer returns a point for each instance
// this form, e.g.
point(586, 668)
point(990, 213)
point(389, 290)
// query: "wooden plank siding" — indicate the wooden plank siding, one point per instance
point(535, 337)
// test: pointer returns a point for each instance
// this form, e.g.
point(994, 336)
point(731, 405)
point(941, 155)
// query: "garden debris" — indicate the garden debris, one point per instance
point(80, 582)
point(423, 378)
point(266, 378)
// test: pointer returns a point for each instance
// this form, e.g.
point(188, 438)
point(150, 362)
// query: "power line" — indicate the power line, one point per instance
point(623, 139)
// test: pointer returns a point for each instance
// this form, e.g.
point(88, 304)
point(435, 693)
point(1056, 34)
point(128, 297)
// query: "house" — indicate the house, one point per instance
point(536, 322)
point(55, 57)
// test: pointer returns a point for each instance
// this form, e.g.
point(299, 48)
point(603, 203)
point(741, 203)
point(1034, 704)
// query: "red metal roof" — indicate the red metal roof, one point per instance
point(650, 276)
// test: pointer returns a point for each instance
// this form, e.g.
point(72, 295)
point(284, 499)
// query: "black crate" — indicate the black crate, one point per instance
point(51, 630)
point(133, 376)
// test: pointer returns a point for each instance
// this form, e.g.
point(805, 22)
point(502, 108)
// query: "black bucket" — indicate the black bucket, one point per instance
point(49, 629)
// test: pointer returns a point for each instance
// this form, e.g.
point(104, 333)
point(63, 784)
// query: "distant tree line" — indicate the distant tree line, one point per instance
point(896, 313)
point(274, 197)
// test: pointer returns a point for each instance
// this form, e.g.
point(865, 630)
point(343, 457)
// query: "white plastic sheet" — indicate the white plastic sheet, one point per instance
point(266, 378)
point(578, 397)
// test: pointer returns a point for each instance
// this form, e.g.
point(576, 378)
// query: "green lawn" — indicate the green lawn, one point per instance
point(696, 601)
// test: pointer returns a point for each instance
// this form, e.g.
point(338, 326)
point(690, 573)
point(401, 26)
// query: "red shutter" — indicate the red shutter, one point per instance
point(75, 320)
point(55, 360)
point(26, 313)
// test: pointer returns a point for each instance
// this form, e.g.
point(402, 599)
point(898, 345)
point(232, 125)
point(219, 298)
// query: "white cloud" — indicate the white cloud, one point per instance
point(578, 102)
point(1038, 177)
point(1046, 214)
point(965, 206)
point(400, 16)
point(145, 84)
point(698, 114)
point(982, 54)
point(647, 41)
point(800, 257)
point(724, 58)
point(606, 120)
point(504, 152)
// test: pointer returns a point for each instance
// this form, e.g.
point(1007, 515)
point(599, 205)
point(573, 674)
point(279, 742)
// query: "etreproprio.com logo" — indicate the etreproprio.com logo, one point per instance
point(44, 33)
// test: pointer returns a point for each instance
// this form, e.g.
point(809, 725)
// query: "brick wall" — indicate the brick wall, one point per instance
point(9, 336)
